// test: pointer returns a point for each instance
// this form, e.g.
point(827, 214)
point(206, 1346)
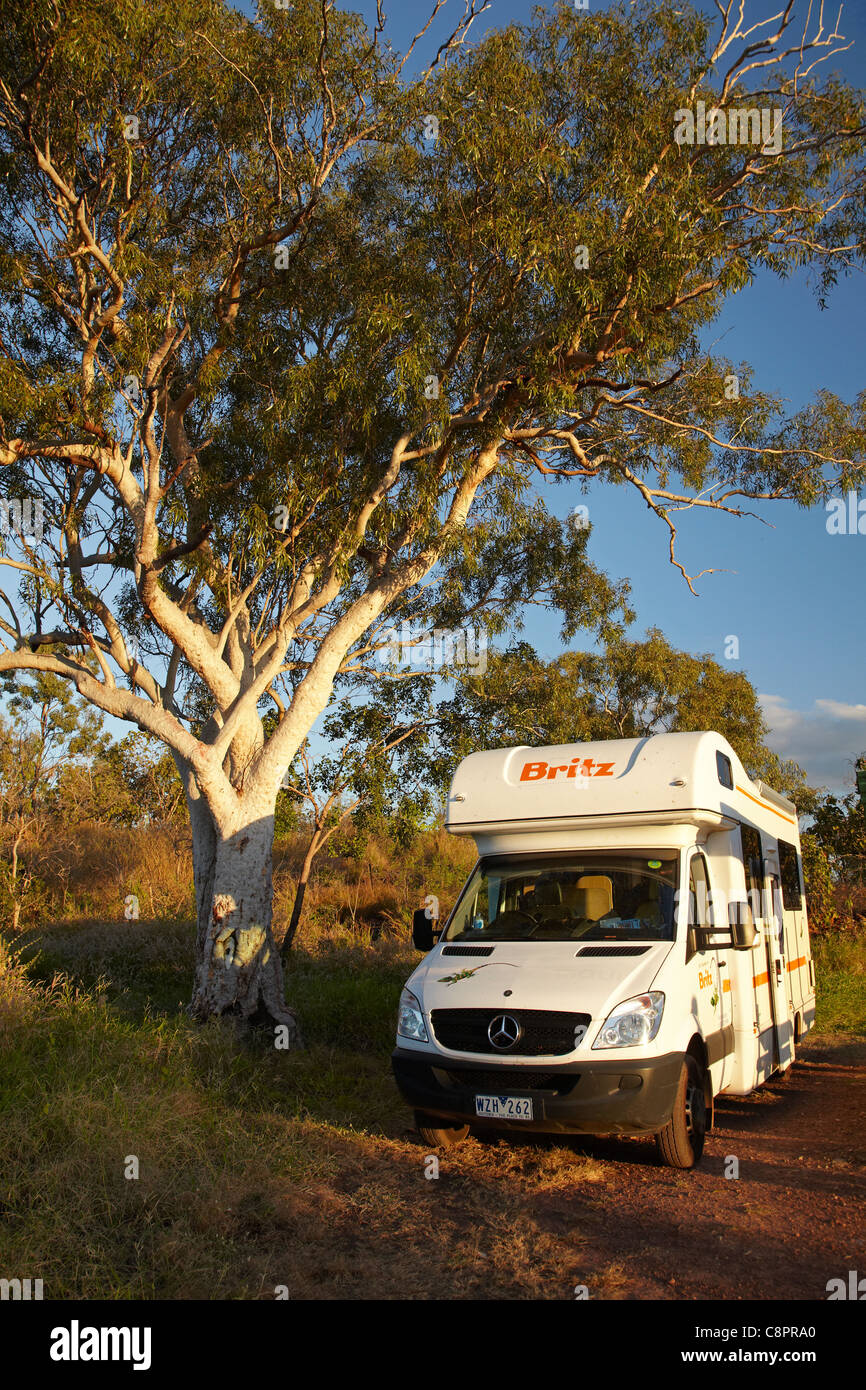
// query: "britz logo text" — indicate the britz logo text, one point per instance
point(533, 772)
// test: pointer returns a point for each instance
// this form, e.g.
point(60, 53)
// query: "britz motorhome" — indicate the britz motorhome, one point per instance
point(631, 943)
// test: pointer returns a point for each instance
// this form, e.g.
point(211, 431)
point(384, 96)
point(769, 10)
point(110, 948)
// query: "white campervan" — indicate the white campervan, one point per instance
point(631, 943)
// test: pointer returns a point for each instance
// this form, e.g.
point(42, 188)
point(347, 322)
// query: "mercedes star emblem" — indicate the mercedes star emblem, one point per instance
point(504, 1031)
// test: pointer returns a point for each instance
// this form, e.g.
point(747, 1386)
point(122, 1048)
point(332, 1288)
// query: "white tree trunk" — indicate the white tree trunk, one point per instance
point(238, 967)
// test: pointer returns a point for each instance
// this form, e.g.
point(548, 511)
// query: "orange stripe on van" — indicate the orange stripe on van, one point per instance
point(760, 979)
point(766, 805)
point(795, 964)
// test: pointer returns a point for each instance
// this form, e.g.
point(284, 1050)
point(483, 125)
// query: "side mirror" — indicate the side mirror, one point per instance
point(422, 930)
point(743, 929)
point(691, 942)
point(700, 939)
point(743, 935)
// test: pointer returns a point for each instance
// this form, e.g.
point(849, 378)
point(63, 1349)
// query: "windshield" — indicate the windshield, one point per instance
point(589, 896)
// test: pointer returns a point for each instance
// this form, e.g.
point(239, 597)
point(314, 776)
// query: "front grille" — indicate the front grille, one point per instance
point(521, 1079)
point(544, 1033)
point(467, 950)
point(613, 951)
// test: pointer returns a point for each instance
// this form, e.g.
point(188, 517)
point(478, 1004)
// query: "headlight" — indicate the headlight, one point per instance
point(410, 1019)
point(634, 1022)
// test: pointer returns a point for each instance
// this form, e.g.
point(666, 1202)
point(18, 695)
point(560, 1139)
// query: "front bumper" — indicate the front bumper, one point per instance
point(615, 1096)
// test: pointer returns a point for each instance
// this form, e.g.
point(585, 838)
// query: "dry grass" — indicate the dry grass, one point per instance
point(257, 1169)
point(86, 873)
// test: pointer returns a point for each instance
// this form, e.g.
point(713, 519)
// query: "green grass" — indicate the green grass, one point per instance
point(345, 990)
point(99, 1064)
point(345, 994)
point(840, 977)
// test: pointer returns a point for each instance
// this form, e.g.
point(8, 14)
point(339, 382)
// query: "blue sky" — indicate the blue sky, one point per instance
point(790, 592)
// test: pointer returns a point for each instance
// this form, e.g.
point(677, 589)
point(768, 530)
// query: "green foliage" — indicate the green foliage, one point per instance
point(451, 257)
point(129, 782)
point(627, 690)
point(287, 814)
point(819, 883)
point(839, 830)
point(834, 862)
point(48, 730)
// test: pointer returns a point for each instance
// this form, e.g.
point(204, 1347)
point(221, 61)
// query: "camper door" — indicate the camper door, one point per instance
point(708, 966)
point(760, 859)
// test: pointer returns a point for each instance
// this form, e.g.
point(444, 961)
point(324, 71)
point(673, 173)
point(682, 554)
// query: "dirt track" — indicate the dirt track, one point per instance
point(535, 1217)
point(795, 1217)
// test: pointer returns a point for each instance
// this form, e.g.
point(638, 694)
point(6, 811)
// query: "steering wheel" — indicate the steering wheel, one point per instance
point(516, 912)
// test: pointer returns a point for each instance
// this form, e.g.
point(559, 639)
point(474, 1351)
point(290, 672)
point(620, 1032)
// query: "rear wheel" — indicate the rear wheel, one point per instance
point(681, 1142)
point(439, 1133)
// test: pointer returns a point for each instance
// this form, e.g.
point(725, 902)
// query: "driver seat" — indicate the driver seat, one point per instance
point(547, 899)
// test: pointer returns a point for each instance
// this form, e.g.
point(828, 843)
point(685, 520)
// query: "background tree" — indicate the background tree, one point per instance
point(834, 857)
point(130, 782)
point(277, 360)
point(46, 729)
point(630, 689)
point(377, 774)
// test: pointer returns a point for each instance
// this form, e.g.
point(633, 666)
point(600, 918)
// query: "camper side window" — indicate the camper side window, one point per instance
point(700, 906)
point(754, 869)
point(791, 896)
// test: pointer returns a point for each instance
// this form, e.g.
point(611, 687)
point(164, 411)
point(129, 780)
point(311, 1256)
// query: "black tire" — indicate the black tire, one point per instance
point(681, 1142)
point(439, 1134)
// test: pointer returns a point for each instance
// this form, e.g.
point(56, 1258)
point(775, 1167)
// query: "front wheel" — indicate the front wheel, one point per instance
point(681, 1142)
point(438, 1133)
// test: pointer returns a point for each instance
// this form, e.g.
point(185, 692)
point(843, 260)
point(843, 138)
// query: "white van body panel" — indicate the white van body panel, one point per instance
point(545, 978)
point(666, 779)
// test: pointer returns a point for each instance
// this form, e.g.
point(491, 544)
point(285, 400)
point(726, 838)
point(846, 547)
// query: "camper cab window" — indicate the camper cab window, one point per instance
point(585, 896)
point(704, 932)
point(700, 907)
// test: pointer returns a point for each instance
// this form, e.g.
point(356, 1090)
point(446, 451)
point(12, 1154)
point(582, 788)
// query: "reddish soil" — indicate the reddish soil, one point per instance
point(535, 1217)
point(792, 1220)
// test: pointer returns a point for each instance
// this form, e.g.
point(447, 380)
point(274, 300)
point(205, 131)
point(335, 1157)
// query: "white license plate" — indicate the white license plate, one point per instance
point(504, 1107)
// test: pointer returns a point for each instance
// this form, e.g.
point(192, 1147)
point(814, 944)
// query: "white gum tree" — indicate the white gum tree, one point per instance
point(291, 335)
